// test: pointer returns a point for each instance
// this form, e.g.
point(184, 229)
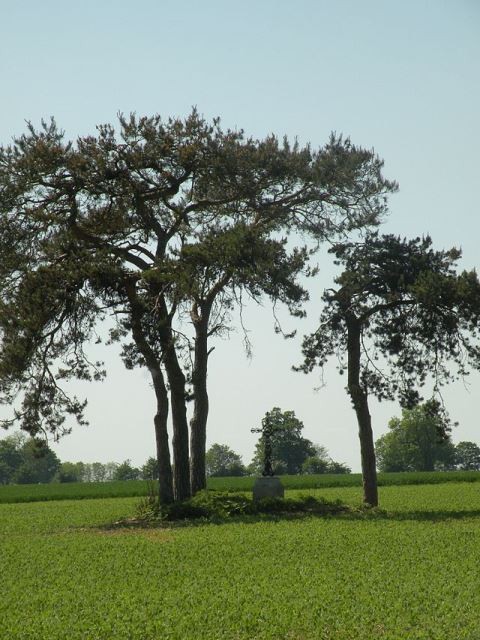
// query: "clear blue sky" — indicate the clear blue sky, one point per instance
point(402, 77)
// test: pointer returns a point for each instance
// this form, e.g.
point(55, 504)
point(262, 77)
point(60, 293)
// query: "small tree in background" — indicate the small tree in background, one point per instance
point(418, 441)
point(125, 471)
point(223, 461)
point(321, 462)
point(467, 456)
point(316, 465)
point(70, 472)
point(289, 448)
point(11, 456)
point(149, 470)
point(39, 463)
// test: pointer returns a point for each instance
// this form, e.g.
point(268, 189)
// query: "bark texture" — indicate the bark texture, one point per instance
point(166, 493)
point(359, 398)
point(176, 380)
point(198, 423)
point(165, 477)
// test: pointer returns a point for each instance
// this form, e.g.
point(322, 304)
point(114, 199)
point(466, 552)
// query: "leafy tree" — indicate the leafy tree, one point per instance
point(314, 465)
point(222, 461)
point(26, 460)
point(400, 313)
point(167, 222)
point(467, 456)
point(70, 472)
point(289, 448)
point(110, 469)
point(317, 464)
point(125, 471)
point(418, 441)
point(6, 472)
point(98, 471)
point(338, 467)
point(321, 462)
point(39, 463)
point(149, 471)
point(11, 456)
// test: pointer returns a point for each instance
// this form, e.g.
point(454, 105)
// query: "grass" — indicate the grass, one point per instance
point(407, 571)
point(82, 490)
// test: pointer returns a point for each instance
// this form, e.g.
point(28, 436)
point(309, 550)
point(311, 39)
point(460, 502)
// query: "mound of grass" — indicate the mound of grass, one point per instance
point(217, 506)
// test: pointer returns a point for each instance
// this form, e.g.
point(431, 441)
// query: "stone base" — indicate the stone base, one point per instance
point(268, 487)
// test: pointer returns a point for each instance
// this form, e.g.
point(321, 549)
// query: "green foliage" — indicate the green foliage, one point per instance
point(338, 467)
point(125, 471)
point(314, 465)
point(467, 456)
point(70, 472)
point(26, 460)
point(99, 471)
point(317, 465)
point(354, 575)
point(11, 456)
point(418, 441)
point(222, 461)
point(289, 448)
point(213, 505)
point(413, 308)
point(149, 470)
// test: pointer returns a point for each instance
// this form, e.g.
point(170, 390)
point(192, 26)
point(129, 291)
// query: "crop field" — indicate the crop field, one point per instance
point(409, 571)
point(72, 491)
point(132, 488)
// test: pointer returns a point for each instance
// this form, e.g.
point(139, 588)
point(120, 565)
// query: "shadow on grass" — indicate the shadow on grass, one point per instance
point(442, 515)
point(346, 514)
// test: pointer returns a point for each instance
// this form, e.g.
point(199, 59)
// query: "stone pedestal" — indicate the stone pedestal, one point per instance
point(268, 487)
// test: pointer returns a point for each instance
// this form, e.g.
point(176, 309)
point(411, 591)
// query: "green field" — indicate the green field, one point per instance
point(410, 571)
point(133, 488)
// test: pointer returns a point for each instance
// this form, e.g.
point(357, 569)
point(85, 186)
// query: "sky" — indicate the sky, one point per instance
point(400, 77)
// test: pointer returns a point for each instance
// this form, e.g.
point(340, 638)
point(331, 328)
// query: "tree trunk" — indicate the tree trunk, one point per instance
point(359, 398)
point(198, 423)
point(165, 478)
point(181, 468)
point(160, 420)
point(176, 380)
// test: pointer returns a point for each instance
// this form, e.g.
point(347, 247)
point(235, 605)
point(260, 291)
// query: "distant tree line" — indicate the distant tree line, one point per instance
point(420, 440)
point(29, 460)
point(25, 460)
